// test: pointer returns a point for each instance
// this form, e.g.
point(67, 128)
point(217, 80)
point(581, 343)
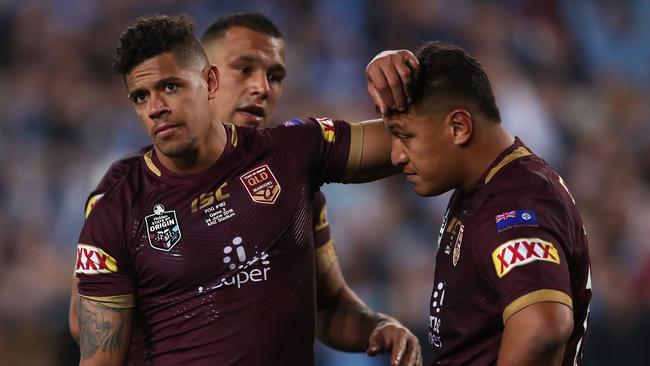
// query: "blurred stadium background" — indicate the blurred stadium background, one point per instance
point(571, 79)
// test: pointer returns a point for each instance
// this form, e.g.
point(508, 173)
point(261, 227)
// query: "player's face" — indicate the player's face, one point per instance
point(252, 68)
point(172, 102)
point(422, 146)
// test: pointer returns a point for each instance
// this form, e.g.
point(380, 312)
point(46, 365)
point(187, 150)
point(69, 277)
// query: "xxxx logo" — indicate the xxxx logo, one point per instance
point(92, 260)
point(519, 252)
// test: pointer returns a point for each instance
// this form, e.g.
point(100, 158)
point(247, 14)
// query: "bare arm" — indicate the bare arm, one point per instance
point(374, 160)
point(346, 323)
point(105, 333)
point(73, 313)
point(536, 335)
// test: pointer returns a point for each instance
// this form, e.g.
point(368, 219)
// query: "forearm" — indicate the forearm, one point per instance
point(73, 312)
point(375, 154)
point(346, 322)
point(105, 333)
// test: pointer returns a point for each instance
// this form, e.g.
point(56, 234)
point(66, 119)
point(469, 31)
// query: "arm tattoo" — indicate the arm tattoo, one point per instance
point(95, 332)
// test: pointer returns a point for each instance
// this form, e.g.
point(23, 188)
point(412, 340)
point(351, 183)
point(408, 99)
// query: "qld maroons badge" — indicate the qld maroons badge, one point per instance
point(163, 229)
point(261, 185)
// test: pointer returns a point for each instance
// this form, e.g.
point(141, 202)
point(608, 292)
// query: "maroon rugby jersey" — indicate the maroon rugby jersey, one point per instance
point(220, 264)
point(513, 240)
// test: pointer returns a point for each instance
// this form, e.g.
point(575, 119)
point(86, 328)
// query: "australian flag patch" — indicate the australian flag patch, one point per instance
point(514, 218)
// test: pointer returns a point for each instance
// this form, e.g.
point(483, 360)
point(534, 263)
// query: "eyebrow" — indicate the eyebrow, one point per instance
point(157, 85)
point(254, 59)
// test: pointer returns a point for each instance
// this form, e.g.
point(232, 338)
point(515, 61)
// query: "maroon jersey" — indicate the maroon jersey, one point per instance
point(220, 265)
point(513, 240)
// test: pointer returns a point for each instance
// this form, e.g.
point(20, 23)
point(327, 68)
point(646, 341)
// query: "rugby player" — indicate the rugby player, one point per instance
point(512, 283)
point(252, 59)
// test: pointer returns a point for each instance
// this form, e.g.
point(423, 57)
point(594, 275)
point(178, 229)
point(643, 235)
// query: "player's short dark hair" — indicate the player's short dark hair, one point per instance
point(447, 71)
point(153, 35)
point(253, 21)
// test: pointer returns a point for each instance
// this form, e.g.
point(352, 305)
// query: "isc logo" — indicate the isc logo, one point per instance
point(207, 199)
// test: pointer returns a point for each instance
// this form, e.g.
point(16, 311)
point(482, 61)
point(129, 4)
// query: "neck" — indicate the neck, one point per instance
point(208, 150)
point(489, 142)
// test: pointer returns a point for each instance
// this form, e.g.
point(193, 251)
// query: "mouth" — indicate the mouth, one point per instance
point(164, 130)
point(410, 176)
point(252, 114)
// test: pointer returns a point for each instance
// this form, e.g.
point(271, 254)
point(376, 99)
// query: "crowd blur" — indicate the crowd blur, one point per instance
point(571, 79)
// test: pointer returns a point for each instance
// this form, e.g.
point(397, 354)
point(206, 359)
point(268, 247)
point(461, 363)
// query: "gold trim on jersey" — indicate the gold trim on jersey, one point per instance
point(535, 297)
point(92, 201)
point(519, 152)
point(147, 159)
point(356, 148)
point(233, 134)
point(322, 220)
point(115, 302)
point(325, 257)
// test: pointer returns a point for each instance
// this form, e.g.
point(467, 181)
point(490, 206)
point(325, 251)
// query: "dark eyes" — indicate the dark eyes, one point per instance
point(170, 87)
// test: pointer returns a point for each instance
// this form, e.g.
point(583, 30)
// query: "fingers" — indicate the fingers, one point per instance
point(375, 343)
point(413, 355)
point(398, 351)
point(377, 81)
point(389, 76)
point(377, 99)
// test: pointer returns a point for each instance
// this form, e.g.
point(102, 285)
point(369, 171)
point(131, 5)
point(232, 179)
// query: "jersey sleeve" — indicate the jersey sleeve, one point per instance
point(102, 262)
point(522, 255)
point(329, 149)
point(115, 172)
point(325, 250)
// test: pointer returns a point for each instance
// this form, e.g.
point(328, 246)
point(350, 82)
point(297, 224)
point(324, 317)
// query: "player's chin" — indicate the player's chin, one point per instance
point(172, 149)
point(424, 189)
point(248, 120)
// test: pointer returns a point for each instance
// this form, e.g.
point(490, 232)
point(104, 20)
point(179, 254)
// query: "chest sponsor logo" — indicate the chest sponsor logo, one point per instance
point(435, 317)
point(261, 185)
point(459, 241)
point(92, 260)
point(514, 218)
point(522, 251)
point(247, 268)
point(163, 228)
point(327, 128)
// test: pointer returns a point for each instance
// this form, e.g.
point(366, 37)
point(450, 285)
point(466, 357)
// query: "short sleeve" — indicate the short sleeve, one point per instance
point(102, 263)
point(320, 222)
point(521, 253)
point(115, 172)
point(330, 149)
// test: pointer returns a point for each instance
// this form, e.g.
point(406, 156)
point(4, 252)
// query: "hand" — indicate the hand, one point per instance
point(391, 336)
point(389, 77)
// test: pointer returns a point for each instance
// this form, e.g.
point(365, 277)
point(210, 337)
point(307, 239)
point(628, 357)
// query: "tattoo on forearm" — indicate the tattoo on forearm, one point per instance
point(95, 331)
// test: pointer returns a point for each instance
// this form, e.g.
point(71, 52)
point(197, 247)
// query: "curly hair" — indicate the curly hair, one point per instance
point(253, 21)
point(153, 35)
point(447, 71)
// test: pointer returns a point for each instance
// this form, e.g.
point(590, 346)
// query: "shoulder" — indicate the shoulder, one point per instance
point(117, 170)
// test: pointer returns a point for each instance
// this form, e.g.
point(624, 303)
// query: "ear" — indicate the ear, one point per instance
point(462, 126)
point(211, 73)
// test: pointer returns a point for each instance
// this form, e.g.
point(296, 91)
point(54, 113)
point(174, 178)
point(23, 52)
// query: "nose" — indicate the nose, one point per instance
point(157, 106)
point(260, 85)
point(397, 154)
